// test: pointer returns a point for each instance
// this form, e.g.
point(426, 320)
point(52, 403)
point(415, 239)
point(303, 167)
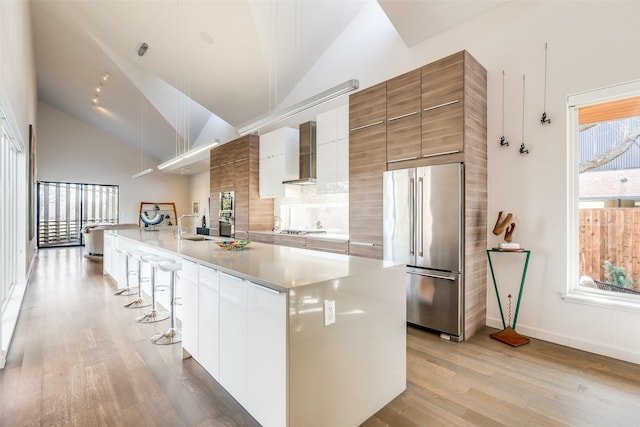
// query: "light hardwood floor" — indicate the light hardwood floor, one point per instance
point(79, 359)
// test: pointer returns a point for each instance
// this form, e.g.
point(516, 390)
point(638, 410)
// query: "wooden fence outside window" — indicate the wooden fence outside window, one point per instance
point(609, 234)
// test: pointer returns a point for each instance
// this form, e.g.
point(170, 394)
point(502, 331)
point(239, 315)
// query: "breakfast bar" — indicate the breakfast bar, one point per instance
point(298, 337)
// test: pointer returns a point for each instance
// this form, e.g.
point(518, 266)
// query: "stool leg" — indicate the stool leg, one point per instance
point(154, 315)
point(171, 335)
point(124, 292)
point(138, 302)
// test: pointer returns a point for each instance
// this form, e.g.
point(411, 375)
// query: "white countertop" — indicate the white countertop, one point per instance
point(275, 266)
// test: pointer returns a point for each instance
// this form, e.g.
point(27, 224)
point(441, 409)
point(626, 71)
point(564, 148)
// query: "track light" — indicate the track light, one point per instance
point(142, 49)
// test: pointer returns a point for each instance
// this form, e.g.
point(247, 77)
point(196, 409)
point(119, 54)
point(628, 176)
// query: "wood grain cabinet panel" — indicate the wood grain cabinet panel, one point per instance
point(235, 168)
point(404, 101)
point(443, 106)
point(367, 163)
point(368, 107)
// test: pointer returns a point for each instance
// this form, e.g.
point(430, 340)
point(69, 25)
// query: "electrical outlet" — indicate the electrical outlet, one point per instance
point(329, 312)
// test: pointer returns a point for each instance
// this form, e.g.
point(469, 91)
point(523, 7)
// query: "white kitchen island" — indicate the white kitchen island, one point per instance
point(260, 322)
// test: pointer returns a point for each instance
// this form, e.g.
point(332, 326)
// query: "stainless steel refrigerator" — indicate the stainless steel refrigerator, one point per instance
point(423, 226)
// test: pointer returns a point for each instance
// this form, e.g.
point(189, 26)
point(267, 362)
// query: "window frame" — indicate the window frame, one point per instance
point(574, 292)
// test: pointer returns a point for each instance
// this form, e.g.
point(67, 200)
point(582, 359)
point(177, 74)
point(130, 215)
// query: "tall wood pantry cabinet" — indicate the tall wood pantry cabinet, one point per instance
point(234, 167)
point(432, 115)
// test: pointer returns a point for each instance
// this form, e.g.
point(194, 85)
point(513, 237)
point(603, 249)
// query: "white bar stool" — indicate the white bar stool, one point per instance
point(126, 291)
point(172, 335)
point(154, 315)
point(139, 301)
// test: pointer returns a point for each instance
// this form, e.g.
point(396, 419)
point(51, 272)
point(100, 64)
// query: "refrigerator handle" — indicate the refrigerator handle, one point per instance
point(435, 276)
point(412, 220)
point(419, 216)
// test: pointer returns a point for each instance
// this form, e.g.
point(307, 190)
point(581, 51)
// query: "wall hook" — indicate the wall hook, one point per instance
point(503, 142)
point(523, 150)
point(545, 119)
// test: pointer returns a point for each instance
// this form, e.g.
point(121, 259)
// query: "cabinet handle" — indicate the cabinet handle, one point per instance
point(442, 105)
point(362, 244)
point(402, 160)
point(264, 288)
point(319, 248)
point(441, 154)
point(402, 116)
point(367, 126)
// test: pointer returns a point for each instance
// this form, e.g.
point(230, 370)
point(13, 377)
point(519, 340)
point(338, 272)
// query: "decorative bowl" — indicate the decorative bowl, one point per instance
point(233, 244)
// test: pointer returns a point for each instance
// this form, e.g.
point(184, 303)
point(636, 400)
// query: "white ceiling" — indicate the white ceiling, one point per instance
point(233, 60)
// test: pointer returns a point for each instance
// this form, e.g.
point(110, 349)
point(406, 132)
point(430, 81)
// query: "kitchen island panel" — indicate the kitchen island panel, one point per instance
point(342, 373)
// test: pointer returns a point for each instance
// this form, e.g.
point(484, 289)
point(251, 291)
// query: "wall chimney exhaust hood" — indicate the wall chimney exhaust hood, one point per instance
point(307, 156)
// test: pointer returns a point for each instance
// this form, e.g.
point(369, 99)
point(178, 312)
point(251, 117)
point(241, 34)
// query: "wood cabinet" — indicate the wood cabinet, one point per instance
point(443, 84)
point(234, 167)
point(404, 113)
point(289, 240)
point(279, 161)
point(261, 237)
point(335, 246)
point(332, 174)
point(367, 163)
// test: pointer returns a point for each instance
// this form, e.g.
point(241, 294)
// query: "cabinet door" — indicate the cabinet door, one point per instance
point(188, 285)
point(242, 196)
point(267, 355)
point(278, 161)
point(404, 117)
point(367, 163)
point(108, 254)
point(233, 336)
point(326, 166)
point(442, 106)
point(209, 320)
point(368, 107)
point(333, 151)
point(271, 176)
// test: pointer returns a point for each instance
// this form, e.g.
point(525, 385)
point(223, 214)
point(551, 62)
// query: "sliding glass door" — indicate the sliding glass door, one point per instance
point(63, 208)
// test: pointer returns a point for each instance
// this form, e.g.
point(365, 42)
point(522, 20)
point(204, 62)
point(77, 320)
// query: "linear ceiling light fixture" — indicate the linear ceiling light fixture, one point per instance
point(276, 116)
point(142, 173)
point(188, 154)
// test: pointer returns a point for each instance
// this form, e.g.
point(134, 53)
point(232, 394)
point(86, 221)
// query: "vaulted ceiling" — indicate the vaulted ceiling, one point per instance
point(217, 63)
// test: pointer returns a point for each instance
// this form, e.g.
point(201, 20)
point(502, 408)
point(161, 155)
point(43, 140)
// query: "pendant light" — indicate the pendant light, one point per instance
point(143, 117)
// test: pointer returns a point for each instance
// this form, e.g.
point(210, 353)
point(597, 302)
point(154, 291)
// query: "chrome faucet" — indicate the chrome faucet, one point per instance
point(180, 223)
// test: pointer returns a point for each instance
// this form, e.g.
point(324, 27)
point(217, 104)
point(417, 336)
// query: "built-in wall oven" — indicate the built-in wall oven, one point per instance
point(226, 213)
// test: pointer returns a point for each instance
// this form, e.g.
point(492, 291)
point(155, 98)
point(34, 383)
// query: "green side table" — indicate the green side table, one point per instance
point(508, 335)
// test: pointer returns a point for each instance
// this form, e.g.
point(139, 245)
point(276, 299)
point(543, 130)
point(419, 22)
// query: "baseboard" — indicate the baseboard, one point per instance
point(573, 342)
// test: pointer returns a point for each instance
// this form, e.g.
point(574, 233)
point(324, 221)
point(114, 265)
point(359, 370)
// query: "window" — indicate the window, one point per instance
point(604, 193)
point(9, 201)
point(63, 208)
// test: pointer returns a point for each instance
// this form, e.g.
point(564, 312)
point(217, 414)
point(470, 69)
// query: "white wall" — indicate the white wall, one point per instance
point(591, 44)
point(199, 185)
point(18, 105)
point(70, 150)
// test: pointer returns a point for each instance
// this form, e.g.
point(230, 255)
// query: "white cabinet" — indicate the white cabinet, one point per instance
point(233, 336)
point(188, 315)
point(278, 161)
point(267, 355)
point(209, 320)
point(332, 129)
point(109, 256)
